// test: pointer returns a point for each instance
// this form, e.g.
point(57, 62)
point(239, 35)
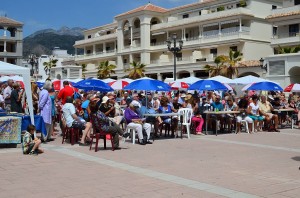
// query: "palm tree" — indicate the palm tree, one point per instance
point(105, 69)
point(83, 69)
point(233, 58)
point(215, 70)
point(137, 70)
point(49, 65)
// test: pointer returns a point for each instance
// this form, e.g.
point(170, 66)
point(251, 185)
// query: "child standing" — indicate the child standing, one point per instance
point(31, 144)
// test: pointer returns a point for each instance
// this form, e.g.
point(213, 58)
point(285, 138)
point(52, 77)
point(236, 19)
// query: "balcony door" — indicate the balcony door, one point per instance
point(297, 2)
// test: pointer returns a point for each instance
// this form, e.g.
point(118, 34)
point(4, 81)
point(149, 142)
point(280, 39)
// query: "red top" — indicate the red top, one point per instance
point(64, 93)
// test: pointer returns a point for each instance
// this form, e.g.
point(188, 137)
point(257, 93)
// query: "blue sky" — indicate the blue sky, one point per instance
point(42, 14)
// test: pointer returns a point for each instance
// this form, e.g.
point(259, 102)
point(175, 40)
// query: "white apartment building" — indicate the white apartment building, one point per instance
point(11, 41)
point(207, 28)
point(285, 68)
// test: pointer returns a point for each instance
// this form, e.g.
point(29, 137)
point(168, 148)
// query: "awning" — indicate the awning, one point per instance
point(211, 24)
point(158, 33)
point(230, 21)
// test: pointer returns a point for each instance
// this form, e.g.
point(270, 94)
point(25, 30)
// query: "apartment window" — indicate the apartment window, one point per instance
point(200, 12)
point(293, 29)
point(214, 51)
point(185, 16)
point(277, 67)
point(179, 56)
point(153, 22)
point(274, 7)
point(233, 48)
point(275, 30)
point(88, 51)
point(108, 32)
point(89, 36)
point(153, 41)
point(297, 2)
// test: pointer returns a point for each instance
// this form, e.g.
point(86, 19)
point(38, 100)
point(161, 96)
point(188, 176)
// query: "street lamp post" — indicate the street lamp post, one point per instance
point(265, 67)
point(33, 61)
point(172, 47)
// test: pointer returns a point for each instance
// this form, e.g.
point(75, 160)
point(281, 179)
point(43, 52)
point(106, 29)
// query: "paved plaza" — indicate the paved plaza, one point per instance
point(243, 165)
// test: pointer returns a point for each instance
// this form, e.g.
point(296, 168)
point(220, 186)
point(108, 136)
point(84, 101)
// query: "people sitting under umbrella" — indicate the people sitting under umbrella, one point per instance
point(266, 109)
point(165, 107)
point(134, 120)
point(72, 120)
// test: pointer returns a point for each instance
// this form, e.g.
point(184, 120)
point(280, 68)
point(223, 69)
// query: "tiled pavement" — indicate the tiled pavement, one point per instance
point(229, 165)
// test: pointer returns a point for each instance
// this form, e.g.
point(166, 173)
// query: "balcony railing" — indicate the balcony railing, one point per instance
point(286, 10)
point(95, 39)
point(96, 55)
point(202, 18)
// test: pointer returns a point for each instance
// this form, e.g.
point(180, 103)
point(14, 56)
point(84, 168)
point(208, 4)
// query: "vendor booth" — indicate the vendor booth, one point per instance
point(10, 69)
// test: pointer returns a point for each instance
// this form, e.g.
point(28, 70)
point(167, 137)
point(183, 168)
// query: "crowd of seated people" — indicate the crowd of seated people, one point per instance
point(259, 112)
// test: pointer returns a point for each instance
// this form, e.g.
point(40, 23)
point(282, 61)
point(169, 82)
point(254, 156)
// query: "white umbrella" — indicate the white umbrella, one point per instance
point(248, 79)
point(179, 85)
point(108, 80)
point(228, 86)
point(189, 80)
point(120, 84)
point(221, 79)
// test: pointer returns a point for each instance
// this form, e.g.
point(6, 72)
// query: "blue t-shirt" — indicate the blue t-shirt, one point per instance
point(84, 106)
point(218, 106)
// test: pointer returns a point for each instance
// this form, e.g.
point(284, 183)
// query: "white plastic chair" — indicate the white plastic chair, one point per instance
point(132, 131)
point(246, 125)
point(186, 114)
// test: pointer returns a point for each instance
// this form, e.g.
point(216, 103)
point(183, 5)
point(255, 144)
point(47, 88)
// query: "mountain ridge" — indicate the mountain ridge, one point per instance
point(43, 41)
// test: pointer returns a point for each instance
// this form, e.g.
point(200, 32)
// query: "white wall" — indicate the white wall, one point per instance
point(255, 51)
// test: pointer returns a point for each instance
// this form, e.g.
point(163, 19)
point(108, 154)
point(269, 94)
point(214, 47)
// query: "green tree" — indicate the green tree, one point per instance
point(83, 68)
point(137, 70)
point(50, 64)
point(105, 69)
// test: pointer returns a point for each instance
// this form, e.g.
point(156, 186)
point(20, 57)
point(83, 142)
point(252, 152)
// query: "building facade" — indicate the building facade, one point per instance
point(207, 28)
point(11, 41)
point(284, 65)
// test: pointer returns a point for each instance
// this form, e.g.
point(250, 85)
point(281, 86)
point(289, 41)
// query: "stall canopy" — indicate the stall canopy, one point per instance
point(10, 69)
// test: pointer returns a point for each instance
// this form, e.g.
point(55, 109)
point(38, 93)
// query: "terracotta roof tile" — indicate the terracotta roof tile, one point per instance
point(8, 21)
point(192, 4)
point(249, 63)
point(283, 14)
point(149, 7)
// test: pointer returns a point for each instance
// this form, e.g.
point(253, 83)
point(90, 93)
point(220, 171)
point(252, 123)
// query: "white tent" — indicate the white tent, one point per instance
point(6, 68)
point(189, 80)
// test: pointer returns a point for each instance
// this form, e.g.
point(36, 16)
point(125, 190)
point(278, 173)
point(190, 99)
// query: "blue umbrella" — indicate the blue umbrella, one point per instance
point(40, 84)
point(148, 84)
point(207, 85)
point(92, 84)
point(265, 86)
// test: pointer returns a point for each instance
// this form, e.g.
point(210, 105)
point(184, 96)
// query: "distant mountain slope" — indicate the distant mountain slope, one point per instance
point(43, 41)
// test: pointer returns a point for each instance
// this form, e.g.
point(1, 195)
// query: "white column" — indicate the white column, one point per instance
point(120, 62)
point(84, 50)
point(200, 31)
point(130, 58)
point(75, 51)
point(4, 46)
point(120, 38)
point(240, 20)
point(183, 34)
point(220, 33)
point(192, 74)
point(131, 35)
point(104, 47)
point(4, 33)
point(159, 76)
point(94, 49)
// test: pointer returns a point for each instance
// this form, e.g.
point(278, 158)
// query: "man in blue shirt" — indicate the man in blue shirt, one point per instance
point(218, 106)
